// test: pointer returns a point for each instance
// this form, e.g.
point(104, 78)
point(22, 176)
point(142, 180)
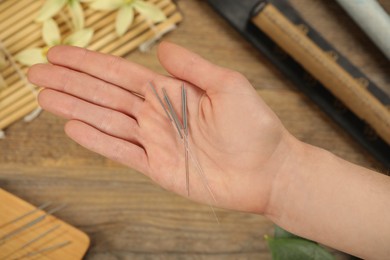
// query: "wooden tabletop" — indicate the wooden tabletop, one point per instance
point(129, 217)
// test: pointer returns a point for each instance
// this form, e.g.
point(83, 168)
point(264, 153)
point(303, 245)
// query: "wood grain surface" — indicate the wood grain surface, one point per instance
point(129, 217)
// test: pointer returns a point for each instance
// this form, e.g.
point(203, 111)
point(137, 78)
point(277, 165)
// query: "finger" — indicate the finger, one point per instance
point(113, 69)
point(111, 147)
point(106, 120)
point(188, 66)
point(85, 87)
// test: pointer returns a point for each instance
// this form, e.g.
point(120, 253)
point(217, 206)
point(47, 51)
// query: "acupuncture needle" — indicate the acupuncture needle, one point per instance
point(185, 128)
point(32, 241)
point(41, 207)
point(172, 112)
point(200, 170)
point(46, 249)
point(163, 106)
point(193, 158)
point(29, 224)
point(159, 99)
point(40, 236)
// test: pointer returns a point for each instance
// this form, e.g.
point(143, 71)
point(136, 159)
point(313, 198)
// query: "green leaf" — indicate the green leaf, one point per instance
point(106, 5)
point(297, 249)
point(51, 33)
point(124, 19)
point(30, 57)
point(80, 38)
point(281, 233)
point(77, 14)
point(49, 9)
point(150, 11)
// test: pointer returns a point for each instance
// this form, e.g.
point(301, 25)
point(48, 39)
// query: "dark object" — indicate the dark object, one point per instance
point(239, 13)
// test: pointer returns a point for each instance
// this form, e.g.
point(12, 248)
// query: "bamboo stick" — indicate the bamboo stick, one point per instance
point(96, 16)
point(18, 36)
point(7, 111)
point(91, 17)
point(111, 37)
point(16, 22)
point(145, 26)
point(177, 17)
point(15, 48)
point(9, 90)
point(38, 34)
point(138, 20)
point(5, 5)
point(14, 97)
point(17, 100)
point(102, 29)
point(15, 89)
point(18, 83)
point(11, 8)
point(12, 80)
point(23, 111)
point(14, 92)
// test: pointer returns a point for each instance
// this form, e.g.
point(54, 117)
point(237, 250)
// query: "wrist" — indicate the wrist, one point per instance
point(294, 174)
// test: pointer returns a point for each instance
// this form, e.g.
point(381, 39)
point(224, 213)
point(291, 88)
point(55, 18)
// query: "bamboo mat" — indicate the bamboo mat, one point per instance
point(18, 31)
point(74, 242)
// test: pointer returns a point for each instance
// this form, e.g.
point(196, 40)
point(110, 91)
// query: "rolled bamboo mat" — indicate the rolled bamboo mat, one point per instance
point(19, 31)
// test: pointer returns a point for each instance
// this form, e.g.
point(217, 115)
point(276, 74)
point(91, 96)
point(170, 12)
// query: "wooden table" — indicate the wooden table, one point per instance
point(129, 217)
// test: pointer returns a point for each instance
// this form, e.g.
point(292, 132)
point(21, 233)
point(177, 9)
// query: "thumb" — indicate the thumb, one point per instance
point(188, 66)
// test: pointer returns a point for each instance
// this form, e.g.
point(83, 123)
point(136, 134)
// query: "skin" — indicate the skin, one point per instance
point(251, 162)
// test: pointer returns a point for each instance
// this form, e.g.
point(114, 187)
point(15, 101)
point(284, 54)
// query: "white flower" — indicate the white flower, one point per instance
point(52, 7)
point(51, 36)
point(126, 8)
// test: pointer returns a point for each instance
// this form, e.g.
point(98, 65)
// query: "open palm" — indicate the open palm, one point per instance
point(238, 141)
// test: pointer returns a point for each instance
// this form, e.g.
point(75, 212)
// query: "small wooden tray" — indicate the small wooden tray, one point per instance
point(19, 31)
point(12, 207)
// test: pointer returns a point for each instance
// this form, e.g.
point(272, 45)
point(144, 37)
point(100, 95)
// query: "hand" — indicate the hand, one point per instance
point(239, 142)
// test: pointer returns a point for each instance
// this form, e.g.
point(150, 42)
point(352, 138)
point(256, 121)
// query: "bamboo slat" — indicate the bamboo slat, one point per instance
point(19, 31)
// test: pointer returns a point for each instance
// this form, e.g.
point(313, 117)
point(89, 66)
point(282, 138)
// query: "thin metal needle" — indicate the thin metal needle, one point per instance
point(204, 180)
point(29, 224)
point(40, 236)
point(185, 128)
point(46, 249)
point(32, 241)
point(173, 113)
point(184, 108)
point(159, 99)
point(41, 207)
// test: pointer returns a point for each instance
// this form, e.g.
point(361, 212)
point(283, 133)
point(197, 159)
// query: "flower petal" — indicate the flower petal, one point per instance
point(51, 32)
point(150, 11)
point(76, 11)
point(49, 9)
point(30, 57)
point(106, 5)
point(124, 19)
point(80, 38)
